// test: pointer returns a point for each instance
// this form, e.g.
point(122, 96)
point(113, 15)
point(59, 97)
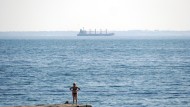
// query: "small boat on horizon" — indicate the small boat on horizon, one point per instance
point(94, 33)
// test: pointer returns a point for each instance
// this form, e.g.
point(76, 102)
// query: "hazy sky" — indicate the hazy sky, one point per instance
point(35, 15)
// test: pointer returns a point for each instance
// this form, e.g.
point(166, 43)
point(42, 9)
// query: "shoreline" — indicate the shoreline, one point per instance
point(53, 105)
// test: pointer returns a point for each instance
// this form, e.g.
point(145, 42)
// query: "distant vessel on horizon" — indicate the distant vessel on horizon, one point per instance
point(94, 33)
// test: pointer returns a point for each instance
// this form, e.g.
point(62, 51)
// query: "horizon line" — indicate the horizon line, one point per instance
point(109, 30)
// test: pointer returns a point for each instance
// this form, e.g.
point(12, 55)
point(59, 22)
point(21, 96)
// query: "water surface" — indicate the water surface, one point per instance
point(110, 73)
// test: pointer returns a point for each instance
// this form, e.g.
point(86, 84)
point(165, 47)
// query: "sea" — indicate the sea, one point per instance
point(109, 72)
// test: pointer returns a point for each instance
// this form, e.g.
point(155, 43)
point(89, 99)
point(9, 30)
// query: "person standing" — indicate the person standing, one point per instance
point(74, 90)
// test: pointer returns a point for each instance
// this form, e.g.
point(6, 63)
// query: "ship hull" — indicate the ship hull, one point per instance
point(109, 34)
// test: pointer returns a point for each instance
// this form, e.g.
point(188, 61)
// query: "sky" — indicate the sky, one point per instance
point(71, 15)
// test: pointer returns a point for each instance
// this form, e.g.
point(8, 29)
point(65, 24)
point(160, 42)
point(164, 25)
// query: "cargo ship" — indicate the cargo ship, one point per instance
point(94, 33)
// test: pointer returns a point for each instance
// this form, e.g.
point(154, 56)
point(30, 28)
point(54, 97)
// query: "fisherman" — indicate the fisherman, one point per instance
point(74, 90)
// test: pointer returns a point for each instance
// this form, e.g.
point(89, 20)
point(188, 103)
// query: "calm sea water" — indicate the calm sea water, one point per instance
point(110, 73)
